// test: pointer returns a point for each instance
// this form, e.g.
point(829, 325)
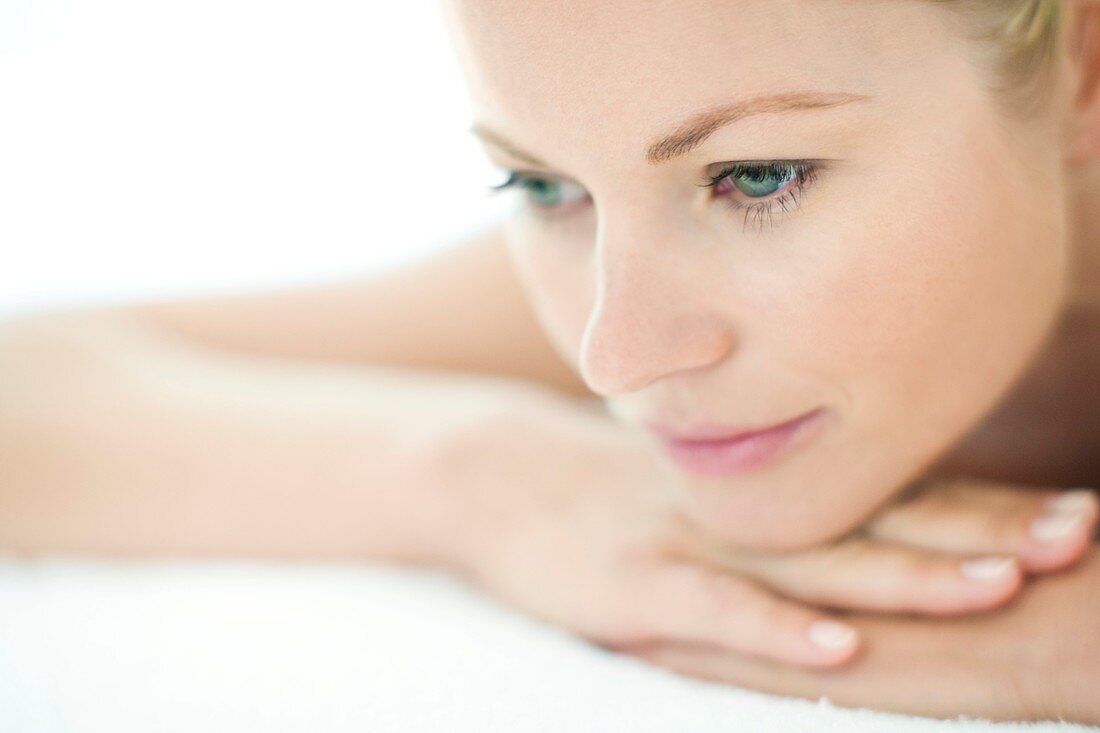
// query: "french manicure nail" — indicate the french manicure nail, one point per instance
point(830, 634)
point(1051, 527)
point(1074, 501)
point(987, 568)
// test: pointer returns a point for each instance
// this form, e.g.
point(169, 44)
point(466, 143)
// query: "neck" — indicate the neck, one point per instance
point(1045, 430)
point(1084, 292)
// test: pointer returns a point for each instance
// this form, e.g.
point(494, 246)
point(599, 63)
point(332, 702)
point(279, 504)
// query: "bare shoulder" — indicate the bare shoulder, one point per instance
point(461, 308)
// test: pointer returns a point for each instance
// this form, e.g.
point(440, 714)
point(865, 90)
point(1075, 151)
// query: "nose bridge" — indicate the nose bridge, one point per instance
point(648, 318)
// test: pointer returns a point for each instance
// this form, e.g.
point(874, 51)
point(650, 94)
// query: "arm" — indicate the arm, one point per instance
point(272, 422)
point(462, 309)
point(122, 434)
point(117, 437)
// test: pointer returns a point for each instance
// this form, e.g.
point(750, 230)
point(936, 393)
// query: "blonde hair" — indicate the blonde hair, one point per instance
point(1023, 37)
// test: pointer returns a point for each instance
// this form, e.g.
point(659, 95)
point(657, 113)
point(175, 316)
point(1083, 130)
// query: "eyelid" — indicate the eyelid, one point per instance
point(514, 173)
point(759, 209)
point(532, 173)
point(514, 176)
point(726, 168)
point(519, 179)
point(787, 199)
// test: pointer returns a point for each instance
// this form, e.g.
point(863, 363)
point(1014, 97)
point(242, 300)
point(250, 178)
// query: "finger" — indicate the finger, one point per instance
point(718, 665)
point(690, 602)
point(1045, 529)
point(943, 690)
point(864, 574)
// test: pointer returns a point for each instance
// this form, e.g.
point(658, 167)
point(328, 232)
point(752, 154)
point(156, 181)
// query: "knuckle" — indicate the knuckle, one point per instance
point(731, 605)
point(903, 518)
point(1004, 529)
point(933, 495)
point(924, 571)
point(892, 578)
point(764, 617)
point(907, 580)
point(721, 593)
point(762, 612)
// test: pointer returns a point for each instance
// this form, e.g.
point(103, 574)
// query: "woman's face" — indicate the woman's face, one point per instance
point(898, 263)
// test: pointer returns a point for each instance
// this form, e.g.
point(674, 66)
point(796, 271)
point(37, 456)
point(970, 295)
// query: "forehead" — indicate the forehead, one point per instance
point(556, 76)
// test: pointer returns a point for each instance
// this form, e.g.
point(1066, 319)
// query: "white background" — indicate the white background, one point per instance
point(153, 147)
point(150, 147)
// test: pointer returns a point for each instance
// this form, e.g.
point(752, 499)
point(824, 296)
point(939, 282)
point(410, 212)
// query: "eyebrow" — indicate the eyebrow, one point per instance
point(691, 133)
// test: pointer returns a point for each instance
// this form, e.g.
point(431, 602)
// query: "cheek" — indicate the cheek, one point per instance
point(929, 311)
point(917, 321)
point(951, 298)
point(916, 317)
point(553, 263)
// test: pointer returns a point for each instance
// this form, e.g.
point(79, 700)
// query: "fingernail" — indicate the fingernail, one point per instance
point(830, 634)
point(988, 568)
point(1056, 526)
point(1063, 515)
point(1074, 501)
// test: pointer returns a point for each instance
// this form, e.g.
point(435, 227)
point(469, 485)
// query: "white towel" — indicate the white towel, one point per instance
point(245, 647)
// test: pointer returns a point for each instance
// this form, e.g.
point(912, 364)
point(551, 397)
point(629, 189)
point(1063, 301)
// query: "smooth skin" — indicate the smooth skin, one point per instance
point(546, 496)
point(935, 288)
point(895, 293)
point(564, 451)
point(596, 542)
point(1034, 660)
point(671, 558)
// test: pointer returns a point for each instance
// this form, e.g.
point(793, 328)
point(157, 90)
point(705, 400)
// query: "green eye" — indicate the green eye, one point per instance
point(543, 192)
point(760, 181)
point(759, 188)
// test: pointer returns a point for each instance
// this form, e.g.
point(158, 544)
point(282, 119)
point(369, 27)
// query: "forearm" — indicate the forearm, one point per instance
point(117, 438)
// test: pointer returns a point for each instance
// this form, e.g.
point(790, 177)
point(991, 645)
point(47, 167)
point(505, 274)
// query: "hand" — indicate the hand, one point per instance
point(1035, 659)
point(1006, 529)
point(574, 520)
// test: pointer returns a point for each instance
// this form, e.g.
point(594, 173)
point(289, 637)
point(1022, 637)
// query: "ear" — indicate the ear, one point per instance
point(1084, 48)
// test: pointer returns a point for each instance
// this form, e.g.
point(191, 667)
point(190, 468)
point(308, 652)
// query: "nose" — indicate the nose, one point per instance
point(649, 320)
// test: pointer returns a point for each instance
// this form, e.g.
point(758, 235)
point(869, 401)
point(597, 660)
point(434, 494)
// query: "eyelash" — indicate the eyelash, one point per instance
point(759, 211)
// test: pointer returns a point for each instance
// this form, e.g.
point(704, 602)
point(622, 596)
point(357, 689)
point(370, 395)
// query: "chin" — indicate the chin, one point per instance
point(762, 521)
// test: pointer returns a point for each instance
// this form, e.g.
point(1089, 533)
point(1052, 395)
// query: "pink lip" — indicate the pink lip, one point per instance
point(708, 453)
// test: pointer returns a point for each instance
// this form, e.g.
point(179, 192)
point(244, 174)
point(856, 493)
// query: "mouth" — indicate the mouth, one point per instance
point(710, 454)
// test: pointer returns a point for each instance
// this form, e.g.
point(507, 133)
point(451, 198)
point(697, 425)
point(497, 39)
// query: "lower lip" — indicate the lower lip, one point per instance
point(732, 457)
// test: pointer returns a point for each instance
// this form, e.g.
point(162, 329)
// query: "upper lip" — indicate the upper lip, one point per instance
point(714, 432)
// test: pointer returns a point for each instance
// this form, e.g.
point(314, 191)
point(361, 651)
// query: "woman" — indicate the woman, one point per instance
point(856, 230)
point(895, 225)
